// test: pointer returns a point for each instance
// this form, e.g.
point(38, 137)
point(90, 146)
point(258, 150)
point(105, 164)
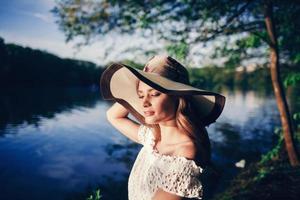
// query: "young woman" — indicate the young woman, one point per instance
point(172, 116)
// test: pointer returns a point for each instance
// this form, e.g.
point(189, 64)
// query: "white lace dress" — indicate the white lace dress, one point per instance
point(151, 170)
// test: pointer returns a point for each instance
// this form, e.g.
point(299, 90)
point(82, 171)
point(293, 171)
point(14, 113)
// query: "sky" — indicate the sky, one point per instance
point(30, 23)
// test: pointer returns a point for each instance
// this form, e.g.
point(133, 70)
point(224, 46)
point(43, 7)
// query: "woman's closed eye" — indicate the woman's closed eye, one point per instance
point(155, 94)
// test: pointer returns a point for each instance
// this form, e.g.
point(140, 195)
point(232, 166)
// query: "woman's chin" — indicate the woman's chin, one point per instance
point(150, 121)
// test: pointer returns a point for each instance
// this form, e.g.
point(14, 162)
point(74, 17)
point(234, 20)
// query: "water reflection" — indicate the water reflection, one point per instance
point(28, 105)
point(57, 144)
point(59, 153)
point(124, 154)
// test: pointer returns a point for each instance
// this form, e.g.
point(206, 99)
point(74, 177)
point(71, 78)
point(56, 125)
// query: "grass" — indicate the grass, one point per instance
point(271, 178)
point(95, 196)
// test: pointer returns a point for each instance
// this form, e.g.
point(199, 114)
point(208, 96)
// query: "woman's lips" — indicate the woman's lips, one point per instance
point(148, 113)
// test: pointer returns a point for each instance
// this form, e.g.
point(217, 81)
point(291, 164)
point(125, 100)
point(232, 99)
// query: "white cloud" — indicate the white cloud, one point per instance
point(47, 3)
point(45, 18)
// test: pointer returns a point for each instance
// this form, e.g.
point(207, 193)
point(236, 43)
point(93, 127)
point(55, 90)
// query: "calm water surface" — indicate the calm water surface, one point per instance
point(57, 144)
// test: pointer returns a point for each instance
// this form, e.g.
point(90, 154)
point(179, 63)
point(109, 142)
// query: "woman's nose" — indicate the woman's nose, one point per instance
point(146, 101)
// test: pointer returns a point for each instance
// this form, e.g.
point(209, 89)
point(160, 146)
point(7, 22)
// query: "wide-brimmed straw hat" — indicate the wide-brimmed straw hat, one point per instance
point(163, 73)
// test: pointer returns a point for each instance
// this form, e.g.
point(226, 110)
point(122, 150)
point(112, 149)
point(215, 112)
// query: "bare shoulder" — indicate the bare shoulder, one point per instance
point(187, 150)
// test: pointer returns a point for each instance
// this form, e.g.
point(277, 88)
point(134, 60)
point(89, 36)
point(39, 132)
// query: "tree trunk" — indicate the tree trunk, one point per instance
point(278, 86)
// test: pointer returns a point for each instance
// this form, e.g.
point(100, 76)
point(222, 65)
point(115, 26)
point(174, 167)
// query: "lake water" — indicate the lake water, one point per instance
point(57, 143)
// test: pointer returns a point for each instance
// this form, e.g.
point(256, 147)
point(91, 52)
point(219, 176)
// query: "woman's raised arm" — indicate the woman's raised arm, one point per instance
point(117, 115)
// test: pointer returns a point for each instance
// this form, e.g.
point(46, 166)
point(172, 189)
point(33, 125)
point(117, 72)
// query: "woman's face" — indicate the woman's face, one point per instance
point(157, 106)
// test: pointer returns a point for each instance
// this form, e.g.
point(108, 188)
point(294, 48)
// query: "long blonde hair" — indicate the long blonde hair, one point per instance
point(188, 122)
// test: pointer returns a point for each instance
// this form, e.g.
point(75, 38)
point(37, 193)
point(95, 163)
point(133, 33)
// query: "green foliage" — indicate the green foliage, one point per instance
point(292, 79)
point(296, 58)
point(273, 153)
point(24, 67)
point(252, 41)
point(296, 118)
point(213, 77)
point(178, 50)
point(95, 196)
point(263, 172)
point(242, 48)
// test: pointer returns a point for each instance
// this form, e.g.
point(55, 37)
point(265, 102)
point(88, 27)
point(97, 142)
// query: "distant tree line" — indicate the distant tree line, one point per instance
point(25, 67)
point(216, 78)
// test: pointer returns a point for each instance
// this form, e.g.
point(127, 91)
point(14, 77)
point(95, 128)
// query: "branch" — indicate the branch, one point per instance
point(222, 28)
point(249, 27)
point(238, 13)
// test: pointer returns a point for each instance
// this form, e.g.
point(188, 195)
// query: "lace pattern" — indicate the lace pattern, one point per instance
point(151, 171)
point(146, 137)
point(180, 176)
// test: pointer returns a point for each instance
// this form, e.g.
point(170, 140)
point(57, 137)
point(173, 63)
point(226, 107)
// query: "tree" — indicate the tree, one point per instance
point(255, 24)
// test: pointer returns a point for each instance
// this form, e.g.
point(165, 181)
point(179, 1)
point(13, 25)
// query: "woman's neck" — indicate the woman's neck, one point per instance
point(169, 132)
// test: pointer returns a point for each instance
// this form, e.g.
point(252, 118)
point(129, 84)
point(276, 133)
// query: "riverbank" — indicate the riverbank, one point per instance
point(270, 178)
